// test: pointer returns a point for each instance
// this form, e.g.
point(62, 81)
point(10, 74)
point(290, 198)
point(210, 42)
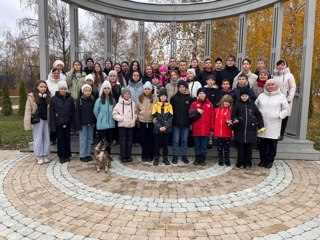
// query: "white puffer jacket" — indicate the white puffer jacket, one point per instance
point(287, 85)
point(52, 84)
point(273, 107)
point(125, 113)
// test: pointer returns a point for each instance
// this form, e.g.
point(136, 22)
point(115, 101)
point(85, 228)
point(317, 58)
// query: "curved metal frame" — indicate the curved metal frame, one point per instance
point(172, 12)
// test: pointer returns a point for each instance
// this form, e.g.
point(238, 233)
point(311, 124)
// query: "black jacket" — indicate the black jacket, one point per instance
point(181, 104)
point(203, 76)
point(219, 77)
point(236, 93)
point(213, 94)
point(87, 70)
point(116, 92)
point(84, 112)
point(229, 73)
point(250, 120)
point(61, 111)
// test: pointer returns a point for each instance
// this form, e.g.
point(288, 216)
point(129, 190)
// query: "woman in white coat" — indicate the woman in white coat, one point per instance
point(273, 106)
point(287, 85)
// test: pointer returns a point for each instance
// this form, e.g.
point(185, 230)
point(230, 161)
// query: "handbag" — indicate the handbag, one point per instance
point(35, 118)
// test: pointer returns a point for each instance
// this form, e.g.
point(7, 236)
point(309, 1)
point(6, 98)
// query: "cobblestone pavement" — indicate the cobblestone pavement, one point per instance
point(140, 201)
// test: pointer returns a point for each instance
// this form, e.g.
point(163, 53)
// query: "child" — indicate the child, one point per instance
point(172, 86)
point(95, 90)
point(75, 79)
point(193, 84)
point(247, 119)
point(135, 85)
point(203, 127)
point(164, 77)
point(115, 85)
point(223, 128)
point(126, 115)
point(61, 120)
point(144, 107)
point(103, 109)
point(38, 101)
point(183, 70)
point(242, 83)
point(155, 81)
point(212, 90)
point(162, 115)
point(180, 102)
point(85, 121)
point(225, 89)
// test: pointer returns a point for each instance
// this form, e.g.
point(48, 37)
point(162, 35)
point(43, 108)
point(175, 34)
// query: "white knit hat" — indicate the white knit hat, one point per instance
point(89, 76)
point(58, 62)
point(85, 86)
point(113, 72)
point(62, 84)
point(105, 84)
point(192, 70)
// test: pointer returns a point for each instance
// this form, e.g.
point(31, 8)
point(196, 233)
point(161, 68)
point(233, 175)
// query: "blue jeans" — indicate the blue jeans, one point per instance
point(180, 132)
point(86, 138)
point(200, 147)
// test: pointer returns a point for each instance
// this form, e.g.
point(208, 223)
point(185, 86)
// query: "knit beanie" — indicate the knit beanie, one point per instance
point(263, 70)
point(163, 91)
point(62, 84)
point(113, 73)
point(85, 86)
point(182, 82)
point(163, 67)
point(271, 81)
point(147, 85)
point(105, 84)
point(244, 90)
point(192, 71)
point(125, 90)
point(90, 77)
point(202, 89)
point(58, 62)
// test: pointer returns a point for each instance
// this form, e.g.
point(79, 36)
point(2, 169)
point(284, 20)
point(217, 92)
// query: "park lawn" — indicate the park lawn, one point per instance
point(12, 133)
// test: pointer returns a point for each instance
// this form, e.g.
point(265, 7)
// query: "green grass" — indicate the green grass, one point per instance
point(314, 125)
point(12, 133)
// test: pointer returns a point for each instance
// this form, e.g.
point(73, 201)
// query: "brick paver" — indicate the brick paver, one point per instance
point(140, 201)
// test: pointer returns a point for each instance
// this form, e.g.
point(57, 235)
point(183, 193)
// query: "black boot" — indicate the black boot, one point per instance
point(185, 160)
point(203, 160)
point(197, 160)
point(220, 159)
point(165, 160)
point(174, 159)
point(227, 160)
point(156, 161)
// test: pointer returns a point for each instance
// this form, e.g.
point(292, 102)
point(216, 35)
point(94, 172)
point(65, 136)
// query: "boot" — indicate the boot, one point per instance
point(185, 160)
point(156, 161)
point(174, 159)
point(197, 160)
point(165, 160)
point(203, 160)
point(227, 160)
point(220, 159)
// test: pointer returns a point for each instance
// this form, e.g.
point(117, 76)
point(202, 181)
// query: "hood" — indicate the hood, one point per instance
point(278, 91)
point(135, 85)
point(52, 80)
point(285, 71)
point(125, 102)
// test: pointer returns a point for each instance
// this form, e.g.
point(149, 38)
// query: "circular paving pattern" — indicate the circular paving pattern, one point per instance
point(141, 201)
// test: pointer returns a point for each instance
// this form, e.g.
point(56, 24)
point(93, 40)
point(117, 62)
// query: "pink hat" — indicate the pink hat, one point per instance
point(163, 67)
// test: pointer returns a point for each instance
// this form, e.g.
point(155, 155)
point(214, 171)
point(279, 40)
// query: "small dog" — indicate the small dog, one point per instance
point(101, 155)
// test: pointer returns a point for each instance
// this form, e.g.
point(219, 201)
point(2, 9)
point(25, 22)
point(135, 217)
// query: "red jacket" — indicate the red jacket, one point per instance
point(202, 127)
point(221, 128)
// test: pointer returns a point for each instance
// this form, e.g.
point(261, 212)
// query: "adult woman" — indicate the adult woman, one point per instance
point(252, 78)
point(148, 72)
point(121, 80)
point(134, 66)
point(98, 75)
point(60, 65)
point(287, 85)
point(75, 79)
point(258, 87)
point(274, 107)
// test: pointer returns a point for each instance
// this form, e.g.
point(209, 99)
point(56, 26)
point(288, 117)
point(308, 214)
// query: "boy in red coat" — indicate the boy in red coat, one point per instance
point(223, 128)
point(203, 127)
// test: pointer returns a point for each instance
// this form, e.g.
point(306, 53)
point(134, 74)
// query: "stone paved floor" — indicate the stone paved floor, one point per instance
point(140, 201)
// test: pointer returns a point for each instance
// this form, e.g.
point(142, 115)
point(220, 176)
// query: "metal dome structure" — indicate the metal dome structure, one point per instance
point(203, 11)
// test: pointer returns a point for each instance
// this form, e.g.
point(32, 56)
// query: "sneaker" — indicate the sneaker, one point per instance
point(40, 160)
point(62, 160)
point(174, 159)
point(89, 158)
point(166, 162)
point(46, 159)
point(84, 159)
point(185, 160)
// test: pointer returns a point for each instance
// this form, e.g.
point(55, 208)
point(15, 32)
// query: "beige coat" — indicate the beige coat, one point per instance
point(31, 108)
point(125, 113)
point(145, 109)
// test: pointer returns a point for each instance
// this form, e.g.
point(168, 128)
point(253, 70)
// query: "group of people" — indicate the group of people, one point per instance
point(163, 105)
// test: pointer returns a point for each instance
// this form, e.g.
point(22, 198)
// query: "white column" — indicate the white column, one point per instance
point(107, 36)
point(43, 39)
point(208, 36)
point(74, 33)
point(306, 67)
point(276, 34)
point(241, 50)
point(173, 27)
point(141, 45)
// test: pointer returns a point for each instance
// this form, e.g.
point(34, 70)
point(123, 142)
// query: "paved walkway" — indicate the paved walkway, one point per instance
point(140, 201)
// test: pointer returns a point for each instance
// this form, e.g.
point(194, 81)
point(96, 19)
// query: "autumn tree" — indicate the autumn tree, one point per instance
point(6, 101)
point(22, 98)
